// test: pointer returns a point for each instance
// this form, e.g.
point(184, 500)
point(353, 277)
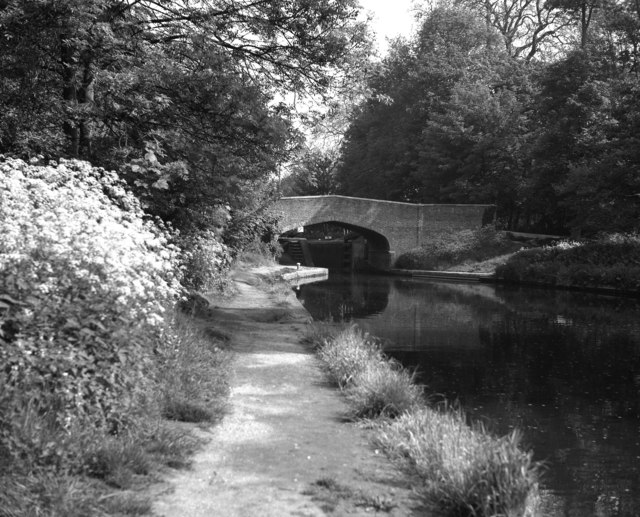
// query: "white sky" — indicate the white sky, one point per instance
point(390, 18)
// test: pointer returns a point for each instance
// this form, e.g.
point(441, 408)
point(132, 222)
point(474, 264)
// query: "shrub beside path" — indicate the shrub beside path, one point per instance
point(284, 448)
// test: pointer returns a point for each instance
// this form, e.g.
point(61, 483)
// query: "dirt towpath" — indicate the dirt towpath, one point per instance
point(285, 447)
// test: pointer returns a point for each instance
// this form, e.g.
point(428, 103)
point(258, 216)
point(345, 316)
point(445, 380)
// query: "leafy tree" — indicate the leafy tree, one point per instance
point(439, 128)
point(482, 106)
point(588, 156)
point(313, 173)
point(621, 27)
point(582, 161)
point(377, 146)
point(476, 144)
point(585, 156)
point(179, 93)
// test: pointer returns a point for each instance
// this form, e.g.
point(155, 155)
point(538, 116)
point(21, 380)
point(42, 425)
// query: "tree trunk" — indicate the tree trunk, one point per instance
point(86, 96)
point(69, 94)
point(586, 12)
point(515, 223)
point(77, 126)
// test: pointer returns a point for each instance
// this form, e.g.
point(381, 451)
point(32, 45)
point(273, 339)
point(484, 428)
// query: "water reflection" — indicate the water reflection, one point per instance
point(344, 297)
point(562, 366)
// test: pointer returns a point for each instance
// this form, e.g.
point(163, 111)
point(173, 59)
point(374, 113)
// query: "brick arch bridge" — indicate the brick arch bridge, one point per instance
point(390, 227)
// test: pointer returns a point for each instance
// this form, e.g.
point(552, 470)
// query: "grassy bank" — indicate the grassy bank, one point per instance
point(464, 470)
point(611, 262)
point(460, 251)
point(80, 469)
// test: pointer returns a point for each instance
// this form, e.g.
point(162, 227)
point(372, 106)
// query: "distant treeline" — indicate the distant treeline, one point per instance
point(534, 106)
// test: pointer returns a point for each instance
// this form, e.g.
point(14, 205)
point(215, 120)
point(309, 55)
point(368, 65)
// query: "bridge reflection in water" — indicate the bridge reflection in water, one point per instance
point(408, 319)
point(562, 366)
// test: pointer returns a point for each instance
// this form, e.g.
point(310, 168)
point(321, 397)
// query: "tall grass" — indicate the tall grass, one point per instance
point(386, 389)
point(192, 388)
point(48, 467)
point(347, 354)
point(48, 493)
point(257, 253)
point(374, 386)
point(464, 470)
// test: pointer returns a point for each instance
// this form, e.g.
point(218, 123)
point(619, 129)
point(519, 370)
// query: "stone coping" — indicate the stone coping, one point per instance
point(389, 202)
point(293, 274)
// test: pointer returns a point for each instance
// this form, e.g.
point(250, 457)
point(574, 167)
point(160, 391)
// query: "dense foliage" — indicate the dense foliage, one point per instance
point(93, 355)
point(205, 262)
point(190, 103)
point(611, 262)
point(313, 173)
point(185, 99)
point(85, 282)
point(446, 250)
point(532, 106)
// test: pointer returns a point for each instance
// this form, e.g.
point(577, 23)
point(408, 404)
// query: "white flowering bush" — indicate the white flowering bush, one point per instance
point(85, 282)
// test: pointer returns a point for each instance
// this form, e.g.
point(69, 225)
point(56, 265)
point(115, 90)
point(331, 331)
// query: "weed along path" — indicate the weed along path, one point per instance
point(284, 448)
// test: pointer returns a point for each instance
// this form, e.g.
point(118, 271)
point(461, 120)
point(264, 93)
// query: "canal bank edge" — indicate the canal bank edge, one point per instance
point(284, 448)
point(455, 276)
point(301, 275)
point(463, 276)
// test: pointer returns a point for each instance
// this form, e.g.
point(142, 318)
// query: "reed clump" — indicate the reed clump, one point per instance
point(374, 386)
point(464, 470)
point(386, 389)
point(348, 354)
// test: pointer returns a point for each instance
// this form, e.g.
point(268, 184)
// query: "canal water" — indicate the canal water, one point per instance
point(563, 367)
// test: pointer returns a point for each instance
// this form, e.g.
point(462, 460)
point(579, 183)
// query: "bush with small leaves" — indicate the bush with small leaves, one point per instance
point(85, 282)
point(611, 262)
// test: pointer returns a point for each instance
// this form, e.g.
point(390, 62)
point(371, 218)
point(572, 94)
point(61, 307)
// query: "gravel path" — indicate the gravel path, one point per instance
point(285, 447)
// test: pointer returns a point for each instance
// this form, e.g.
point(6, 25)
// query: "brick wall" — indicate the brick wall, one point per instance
point(391, 228)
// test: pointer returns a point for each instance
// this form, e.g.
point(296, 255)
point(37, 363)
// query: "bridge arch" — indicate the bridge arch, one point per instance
point(378, 250)
point(375, 239)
